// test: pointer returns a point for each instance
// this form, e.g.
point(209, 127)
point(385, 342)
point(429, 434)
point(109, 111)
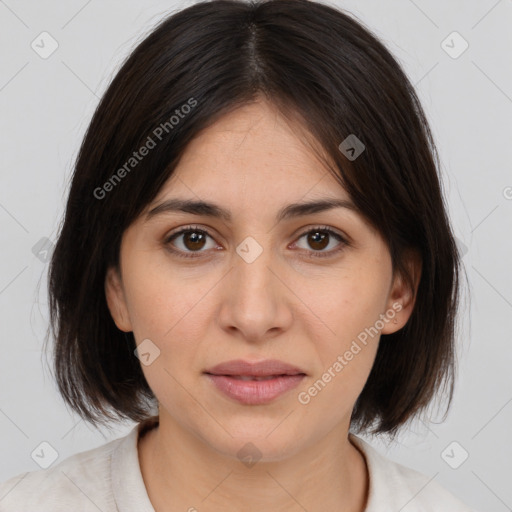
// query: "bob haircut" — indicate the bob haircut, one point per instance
point(319, 67)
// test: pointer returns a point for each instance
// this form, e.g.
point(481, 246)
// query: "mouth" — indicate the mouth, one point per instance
point(268, 368)
point(254, 390)
point(254, 383)
point(253, 378)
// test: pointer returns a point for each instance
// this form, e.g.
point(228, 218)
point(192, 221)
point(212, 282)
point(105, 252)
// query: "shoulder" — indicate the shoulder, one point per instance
point(80, 482)
point(403, 488)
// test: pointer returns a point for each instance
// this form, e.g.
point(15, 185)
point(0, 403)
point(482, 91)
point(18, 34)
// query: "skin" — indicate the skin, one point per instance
point(285, 305)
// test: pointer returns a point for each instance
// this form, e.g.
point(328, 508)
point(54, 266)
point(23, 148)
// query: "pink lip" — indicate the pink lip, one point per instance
point(257, 369)
point(226, 377)
point(252, 392)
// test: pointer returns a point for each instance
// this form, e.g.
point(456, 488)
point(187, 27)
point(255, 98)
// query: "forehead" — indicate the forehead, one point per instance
point(254, 155)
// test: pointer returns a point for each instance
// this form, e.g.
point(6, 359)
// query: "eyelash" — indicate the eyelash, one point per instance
point(313, 254)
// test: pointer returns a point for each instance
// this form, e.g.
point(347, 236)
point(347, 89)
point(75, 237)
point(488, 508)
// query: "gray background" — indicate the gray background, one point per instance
point(46, 105)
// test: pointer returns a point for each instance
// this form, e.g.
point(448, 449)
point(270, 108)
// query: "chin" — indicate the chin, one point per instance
point(267, 441)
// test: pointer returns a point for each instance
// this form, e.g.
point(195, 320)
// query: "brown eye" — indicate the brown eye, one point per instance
point(193, 240)
point(317, 239)
point(188, 241)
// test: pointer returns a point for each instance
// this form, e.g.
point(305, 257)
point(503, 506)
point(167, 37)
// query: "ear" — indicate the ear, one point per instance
point(116, 300)
point(401, 297)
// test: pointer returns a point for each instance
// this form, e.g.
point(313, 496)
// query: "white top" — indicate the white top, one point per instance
point(108, 479)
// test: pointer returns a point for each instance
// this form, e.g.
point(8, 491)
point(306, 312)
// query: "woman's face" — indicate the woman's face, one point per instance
point(255, 286)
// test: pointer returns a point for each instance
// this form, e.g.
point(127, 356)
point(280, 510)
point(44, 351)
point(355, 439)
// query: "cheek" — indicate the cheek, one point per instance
point(347, 342)
point(161, 298)
point(172, 309)
point(345, 345)
point(350, 302)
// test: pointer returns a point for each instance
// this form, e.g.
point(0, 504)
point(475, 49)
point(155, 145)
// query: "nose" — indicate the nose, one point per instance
point(256, 301)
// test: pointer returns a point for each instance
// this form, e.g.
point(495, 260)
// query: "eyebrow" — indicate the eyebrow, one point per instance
point(209, 209)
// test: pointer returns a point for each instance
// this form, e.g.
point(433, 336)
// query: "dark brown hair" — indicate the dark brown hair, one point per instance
point(314, 63)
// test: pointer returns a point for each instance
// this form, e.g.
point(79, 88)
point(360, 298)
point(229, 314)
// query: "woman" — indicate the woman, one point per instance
point(255, 265)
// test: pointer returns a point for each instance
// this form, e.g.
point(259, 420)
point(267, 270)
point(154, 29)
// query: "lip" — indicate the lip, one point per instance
point(263, 368)
point(280, 378)
point(253, 392)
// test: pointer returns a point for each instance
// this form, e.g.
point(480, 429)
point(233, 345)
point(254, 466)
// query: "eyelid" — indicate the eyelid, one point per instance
point(344, 241)
point(185, 229)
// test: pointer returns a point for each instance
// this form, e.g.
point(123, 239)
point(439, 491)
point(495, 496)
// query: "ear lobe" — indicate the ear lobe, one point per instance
point(402, 297)
point(116, 301)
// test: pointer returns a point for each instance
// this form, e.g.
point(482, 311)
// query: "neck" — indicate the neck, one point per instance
point(182, 472)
